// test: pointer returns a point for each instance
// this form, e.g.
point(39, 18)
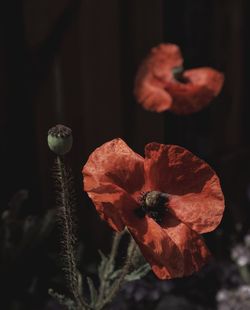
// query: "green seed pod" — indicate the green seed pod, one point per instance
point(60, 139)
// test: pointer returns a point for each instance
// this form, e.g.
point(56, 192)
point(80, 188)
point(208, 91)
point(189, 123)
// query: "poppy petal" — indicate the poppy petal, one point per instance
point(195, 193)
point(115, 163)
point(107, 200)
point(153, 74)
point(154, 98)
point(112, 169)
point(190, 244)
point(156, 246)
point(158, 88)
point(212, 79)
point(172, 249)
point(201, 86)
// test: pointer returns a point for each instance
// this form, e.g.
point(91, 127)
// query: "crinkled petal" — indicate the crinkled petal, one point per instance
point(114, 163)
point(108, 199)
point(153, 98)
point(155, 244)
point(157, 89)
point(153, 74)
point(202, 85)
point(172, 248)
point(211, 78)
point(112, 169)
point(196, 197)
point(190, 244)
point(161, 61)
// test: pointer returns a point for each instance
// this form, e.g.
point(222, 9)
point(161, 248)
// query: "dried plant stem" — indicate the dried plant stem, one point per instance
point(117, 284)
point(65, 197)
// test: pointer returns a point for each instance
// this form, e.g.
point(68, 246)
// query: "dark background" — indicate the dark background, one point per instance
point(74, 62)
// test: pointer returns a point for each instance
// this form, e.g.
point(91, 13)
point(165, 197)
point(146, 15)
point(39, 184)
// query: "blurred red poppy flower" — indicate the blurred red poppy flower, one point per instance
point(162, 84)
point(165, 200)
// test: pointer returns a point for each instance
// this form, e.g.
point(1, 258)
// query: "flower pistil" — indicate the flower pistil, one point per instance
point(153, 204)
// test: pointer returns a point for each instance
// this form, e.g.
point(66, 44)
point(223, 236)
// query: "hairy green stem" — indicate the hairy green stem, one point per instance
point(63, 180)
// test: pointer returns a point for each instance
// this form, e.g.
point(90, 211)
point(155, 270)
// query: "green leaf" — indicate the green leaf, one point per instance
point(138, 273)
point(92, 290)
point(62, 300)
point(115, 274)
point(102, 265)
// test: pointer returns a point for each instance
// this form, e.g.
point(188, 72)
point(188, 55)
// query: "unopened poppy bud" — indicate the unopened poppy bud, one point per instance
point(60, 139)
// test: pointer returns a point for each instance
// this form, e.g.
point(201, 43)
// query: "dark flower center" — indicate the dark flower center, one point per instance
point(178, 75)
point(154, 204)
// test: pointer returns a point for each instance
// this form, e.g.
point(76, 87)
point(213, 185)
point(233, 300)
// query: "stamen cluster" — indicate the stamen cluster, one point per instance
point(154, 204)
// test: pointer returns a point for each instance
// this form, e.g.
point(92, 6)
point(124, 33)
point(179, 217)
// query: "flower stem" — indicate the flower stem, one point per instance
point(104, 283)
point(115, 244)
point(118, 282)
point(65, 201)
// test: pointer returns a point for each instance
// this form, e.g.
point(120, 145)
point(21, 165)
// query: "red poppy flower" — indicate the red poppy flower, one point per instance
point(165, 200)
point(161, 84)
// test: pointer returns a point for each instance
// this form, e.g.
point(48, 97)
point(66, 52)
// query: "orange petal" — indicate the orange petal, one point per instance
point(203, 84)
point(190, 244)
point(157, 89)
point(208, 77)
point(158, 248)
point(153, 98)
point(172, 249)
point(196, 197)
point(108, 199)
point(154, 242)
point(152, 75)
point(112, 170)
